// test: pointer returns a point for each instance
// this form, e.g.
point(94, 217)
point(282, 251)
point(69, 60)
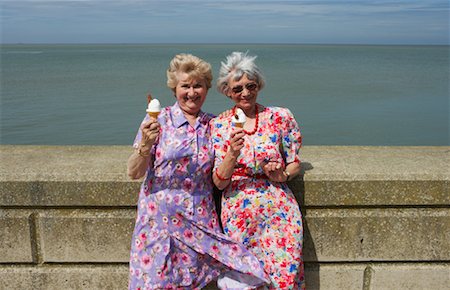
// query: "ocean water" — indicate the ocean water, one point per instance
point(339, 94)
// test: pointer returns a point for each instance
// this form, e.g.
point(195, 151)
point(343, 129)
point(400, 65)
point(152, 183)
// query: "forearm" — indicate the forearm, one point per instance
point(141, 158)
point(138, 164)
point(223, 173)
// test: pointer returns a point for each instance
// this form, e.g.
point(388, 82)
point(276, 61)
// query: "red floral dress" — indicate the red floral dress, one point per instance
point(261, 214)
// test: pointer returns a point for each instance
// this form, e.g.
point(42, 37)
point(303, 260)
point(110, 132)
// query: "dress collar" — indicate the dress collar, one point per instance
point(178, 118)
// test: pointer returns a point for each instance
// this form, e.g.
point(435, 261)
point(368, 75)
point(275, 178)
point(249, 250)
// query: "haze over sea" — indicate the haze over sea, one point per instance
point(339, 94)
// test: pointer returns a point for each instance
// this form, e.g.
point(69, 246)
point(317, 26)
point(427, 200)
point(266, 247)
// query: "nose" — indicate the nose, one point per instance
point(245, 91)
point(191, 91)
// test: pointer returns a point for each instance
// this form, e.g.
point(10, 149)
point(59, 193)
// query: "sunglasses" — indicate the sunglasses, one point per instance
point(250, 87)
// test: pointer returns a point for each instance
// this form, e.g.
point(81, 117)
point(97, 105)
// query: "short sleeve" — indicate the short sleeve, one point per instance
point(291, 137)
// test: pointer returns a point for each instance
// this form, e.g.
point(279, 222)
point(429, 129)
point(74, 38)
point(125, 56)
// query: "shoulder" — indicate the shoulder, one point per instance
point(279, 112)
point(164, 115)
point(208, 116)
point(219, 121)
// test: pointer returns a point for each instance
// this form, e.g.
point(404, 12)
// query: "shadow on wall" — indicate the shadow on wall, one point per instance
point(297, 186)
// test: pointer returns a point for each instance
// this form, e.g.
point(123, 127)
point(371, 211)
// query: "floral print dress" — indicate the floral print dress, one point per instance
point(261, 214)
point(177, 242)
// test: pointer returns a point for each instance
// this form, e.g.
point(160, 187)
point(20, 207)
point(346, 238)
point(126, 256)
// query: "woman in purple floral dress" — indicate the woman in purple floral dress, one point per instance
point(177, 242)
point(252, 165)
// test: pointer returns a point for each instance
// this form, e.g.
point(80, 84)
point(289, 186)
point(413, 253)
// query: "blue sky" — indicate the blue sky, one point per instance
point(139, 21)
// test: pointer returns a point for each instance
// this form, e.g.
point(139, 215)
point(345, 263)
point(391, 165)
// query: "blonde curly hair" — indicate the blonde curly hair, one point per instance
point(195, 67)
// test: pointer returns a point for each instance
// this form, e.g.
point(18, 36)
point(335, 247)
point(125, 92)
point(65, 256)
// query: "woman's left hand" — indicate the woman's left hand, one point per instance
point(274, 171)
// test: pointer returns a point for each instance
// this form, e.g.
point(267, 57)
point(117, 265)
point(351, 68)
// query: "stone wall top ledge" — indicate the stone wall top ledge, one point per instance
point(108, 163)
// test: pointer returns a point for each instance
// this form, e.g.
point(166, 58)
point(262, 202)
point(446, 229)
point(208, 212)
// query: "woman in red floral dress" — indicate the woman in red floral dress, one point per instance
point(252, 166)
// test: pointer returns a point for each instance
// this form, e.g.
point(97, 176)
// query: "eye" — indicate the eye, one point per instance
point(251, 86)
point(237, 89)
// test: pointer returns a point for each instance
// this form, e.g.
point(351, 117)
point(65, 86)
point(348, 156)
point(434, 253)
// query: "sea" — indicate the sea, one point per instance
point(95, 94)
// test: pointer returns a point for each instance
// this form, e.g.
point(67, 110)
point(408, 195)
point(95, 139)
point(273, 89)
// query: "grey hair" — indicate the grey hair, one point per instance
point(235, 66)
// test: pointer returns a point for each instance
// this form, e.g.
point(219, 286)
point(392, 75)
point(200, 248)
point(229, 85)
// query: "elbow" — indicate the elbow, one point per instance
point(221, 187)
point(133, 174)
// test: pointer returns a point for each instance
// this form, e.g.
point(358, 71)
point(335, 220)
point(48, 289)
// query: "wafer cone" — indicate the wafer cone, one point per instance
point(153, 114)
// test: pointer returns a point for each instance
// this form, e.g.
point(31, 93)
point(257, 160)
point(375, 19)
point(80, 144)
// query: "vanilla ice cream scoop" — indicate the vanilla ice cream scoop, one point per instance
point(239, 118)
point(153, 109)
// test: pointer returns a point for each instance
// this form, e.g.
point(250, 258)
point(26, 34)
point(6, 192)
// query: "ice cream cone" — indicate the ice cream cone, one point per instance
point(153, 109)
point(153, 114)
point(239, 118)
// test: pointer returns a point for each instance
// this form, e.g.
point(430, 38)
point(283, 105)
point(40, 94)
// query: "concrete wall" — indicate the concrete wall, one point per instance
point(375, 217)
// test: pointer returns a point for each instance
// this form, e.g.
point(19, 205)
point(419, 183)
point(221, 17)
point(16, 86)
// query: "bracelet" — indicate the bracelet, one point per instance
point(288, 175)
point(221, 177)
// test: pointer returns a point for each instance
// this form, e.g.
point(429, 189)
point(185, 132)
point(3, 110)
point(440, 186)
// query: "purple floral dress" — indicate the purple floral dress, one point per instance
point(177, 242)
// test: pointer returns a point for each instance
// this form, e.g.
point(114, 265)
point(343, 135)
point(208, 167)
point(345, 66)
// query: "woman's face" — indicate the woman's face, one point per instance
point(190, 93)
point(244, 92)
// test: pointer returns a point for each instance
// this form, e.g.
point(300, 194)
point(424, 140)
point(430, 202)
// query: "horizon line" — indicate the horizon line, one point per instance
point(220, 43)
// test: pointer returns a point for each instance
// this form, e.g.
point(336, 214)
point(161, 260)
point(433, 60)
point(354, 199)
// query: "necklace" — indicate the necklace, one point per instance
point(256, 121)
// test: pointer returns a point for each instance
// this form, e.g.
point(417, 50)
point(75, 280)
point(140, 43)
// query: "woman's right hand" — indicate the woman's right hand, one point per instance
point(150, 131)
point(236, 141)
point(141, 159)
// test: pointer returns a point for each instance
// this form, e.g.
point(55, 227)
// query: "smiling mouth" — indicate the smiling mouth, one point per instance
point(193, 98)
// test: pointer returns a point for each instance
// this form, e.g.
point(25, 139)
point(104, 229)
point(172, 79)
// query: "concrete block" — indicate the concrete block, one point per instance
point(371, 192)
point(64, 163)
point(83, 277)
point(334, 163)
point(334, 276)
point(86, 235)
point(15, 237)
point(327, 277)
point(415, 234)
point(70, 193)
point(410, 276)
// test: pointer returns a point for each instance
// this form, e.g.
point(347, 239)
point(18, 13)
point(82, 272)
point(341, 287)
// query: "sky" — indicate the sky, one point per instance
point(202, 21)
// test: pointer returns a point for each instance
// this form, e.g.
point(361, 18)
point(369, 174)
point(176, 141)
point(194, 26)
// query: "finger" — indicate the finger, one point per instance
point(154, 126)
point(273, 166)
point(146, 124)
point(237, 131)
point(268, 166)
point(239, 145)
point(237, 140)
point(240, 133)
